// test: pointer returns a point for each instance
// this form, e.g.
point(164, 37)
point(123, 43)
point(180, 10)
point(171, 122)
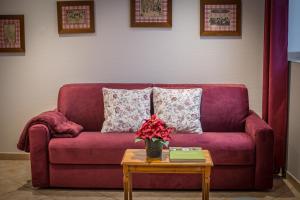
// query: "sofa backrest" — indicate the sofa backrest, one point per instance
point(83, 103)
point(224, 107)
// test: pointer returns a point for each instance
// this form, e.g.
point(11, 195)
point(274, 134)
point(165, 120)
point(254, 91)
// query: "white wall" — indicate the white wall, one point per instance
point(293, 166)
point(117, 53)
point(294, 25)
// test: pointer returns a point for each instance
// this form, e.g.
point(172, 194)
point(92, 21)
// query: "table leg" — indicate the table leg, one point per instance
point(130, 185)
point(206, 184)
point(125, 182)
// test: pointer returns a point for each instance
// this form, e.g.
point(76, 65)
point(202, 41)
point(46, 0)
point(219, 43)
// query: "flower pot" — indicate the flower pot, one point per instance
point(153, 149)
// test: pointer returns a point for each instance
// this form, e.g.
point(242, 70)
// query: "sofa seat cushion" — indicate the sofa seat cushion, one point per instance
point(108, 148)
point(237, 148)
point(91, 148)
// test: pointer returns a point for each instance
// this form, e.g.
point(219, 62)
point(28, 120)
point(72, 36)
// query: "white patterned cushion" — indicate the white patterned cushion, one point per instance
point(125, 110)
point(179, 108)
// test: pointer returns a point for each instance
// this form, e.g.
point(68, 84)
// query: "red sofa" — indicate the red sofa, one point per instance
point(241, 144)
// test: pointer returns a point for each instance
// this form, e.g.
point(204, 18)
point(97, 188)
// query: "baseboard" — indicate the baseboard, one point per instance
point(293, 180)
point(14, 156)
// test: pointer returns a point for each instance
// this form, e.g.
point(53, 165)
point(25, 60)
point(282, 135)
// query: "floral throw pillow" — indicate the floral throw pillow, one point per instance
point(179, 108)
point(125, 110)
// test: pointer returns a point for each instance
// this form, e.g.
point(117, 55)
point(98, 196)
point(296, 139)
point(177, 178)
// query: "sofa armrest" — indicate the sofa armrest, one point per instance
point(263, 136)
point(39, 137)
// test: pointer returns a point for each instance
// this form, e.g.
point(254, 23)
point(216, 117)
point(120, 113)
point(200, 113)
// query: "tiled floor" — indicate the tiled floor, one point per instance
point(15, 185)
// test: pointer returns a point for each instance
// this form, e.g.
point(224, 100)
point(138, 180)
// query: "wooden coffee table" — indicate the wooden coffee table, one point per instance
point(134, 161)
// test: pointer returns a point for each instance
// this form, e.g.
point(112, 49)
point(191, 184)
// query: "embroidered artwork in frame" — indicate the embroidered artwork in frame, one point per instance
point(75, 17)
point(151, 13)
point(12, 37)
point(220, 18)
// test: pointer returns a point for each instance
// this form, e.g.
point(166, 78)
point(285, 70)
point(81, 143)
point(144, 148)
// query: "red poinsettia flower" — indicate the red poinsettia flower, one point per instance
point(154, 129)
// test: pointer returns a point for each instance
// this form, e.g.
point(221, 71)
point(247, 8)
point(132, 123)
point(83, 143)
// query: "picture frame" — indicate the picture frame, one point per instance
point(220, 17)
point(151, 13)
point(75, 17)
point(12, 35)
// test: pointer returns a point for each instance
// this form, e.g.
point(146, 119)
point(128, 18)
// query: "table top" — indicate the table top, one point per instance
point(138, 157)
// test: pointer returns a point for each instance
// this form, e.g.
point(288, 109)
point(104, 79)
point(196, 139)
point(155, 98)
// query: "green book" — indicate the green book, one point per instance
point(186, 154)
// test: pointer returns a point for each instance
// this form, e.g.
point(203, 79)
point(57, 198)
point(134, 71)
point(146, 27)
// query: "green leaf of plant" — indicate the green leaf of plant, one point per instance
point(154, 139)
point(165, 143)
point(137, 139)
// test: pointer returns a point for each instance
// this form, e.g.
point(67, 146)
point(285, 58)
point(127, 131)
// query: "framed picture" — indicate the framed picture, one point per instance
point(12, 37)
point(220, 17)
point(75, 17)
point(151, 13)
